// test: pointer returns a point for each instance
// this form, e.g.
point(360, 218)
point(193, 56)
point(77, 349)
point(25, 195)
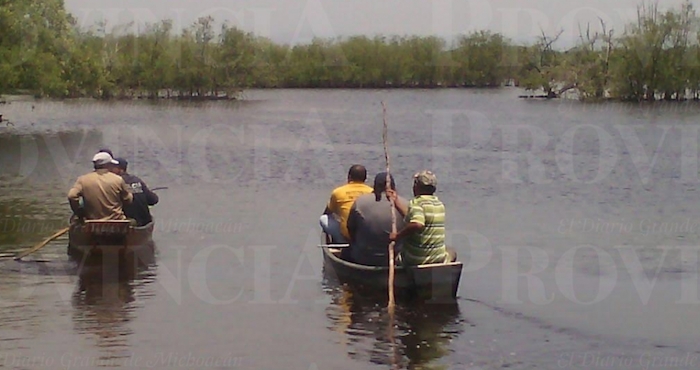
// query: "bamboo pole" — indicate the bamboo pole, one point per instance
point(390, 305)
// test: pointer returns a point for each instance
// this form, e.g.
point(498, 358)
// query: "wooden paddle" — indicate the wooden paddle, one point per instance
point(42, 244)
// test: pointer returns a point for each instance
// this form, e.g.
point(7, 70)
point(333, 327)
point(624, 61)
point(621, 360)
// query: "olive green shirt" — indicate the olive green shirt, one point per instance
point(428, 245)
point(103, 194)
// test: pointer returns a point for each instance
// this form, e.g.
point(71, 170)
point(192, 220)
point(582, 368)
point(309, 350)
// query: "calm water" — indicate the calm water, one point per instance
point(578, 226)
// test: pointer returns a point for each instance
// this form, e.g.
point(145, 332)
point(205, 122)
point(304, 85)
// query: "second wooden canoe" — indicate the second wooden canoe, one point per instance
point(433, 282)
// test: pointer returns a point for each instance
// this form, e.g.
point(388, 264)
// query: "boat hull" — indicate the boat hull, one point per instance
point(432, 283)
point(83, 240)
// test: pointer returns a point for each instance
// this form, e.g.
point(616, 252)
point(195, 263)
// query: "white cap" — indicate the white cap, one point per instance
point(103, 158)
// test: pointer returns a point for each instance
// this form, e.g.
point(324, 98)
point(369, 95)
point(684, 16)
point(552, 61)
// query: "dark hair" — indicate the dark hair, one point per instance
point(425, 189)
point(380, 185)
point(357, 172)
point(122, 163)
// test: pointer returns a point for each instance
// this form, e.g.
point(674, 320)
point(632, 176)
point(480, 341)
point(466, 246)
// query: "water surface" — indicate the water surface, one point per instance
point(577, 225)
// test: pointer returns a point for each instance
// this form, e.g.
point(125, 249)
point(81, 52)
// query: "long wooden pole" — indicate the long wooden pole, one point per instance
point(390, 305)
point(42, 244)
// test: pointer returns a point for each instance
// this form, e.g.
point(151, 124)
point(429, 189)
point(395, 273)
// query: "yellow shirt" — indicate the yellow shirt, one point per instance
point(342, 199)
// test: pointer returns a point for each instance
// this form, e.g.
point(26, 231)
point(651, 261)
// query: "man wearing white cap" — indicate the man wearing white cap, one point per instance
point(103, 192)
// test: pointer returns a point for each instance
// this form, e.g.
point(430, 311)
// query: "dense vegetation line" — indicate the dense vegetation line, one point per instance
point(42, 51)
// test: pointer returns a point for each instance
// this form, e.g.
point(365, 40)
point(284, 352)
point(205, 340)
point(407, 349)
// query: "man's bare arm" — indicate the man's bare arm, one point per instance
point(74, 195)
point(398, 204)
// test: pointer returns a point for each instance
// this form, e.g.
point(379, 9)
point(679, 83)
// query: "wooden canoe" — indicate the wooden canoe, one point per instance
point(113, 236)
point(432, 283)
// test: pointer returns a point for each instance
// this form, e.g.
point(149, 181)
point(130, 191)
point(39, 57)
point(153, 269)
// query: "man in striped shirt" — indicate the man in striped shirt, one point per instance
point(424, 234)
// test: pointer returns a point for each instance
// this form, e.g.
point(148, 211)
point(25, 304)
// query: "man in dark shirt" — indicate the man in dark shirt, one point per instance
point(143, 196)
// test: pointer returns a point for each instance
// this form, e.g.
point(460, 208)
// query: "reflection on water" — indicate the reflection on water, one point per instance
point(56, 157)
point(107, 296)
point(266, 163)
point(24, 222)
point(422, 336)
point(36, 171)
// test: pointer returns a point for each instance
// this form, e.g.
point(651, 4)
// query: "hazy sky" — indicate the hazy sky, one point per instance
point(297, 21)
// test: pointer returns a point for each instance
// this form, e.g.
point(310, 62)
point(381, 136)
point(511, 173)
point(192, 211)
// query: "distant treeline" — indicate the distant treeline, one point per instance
point(43, 52)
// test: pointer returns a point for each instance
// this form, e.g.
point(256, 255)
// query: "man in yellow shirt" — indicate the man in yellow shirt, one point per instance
point(334, 220)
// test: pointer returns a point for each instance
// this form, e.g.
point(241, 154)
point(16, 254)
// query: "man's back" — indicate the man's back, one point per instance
point(427, 246)
point(342, 199)
point(371, 221)
point(103, 194)
point(143, 197)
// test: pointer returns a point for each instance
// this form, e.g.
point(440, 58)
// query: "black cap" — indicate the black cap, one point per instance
point(122, 163)
point(380, 182)
point(105, 150)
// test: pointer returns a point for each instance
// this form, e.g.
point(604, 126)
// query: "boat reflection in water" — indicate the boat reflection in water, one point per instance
point(422, 335)
point(108, 294)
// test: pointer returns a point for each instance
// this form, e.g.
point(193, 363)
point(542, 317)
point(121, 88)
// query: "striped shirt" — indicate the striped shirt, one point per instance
point(428, 245)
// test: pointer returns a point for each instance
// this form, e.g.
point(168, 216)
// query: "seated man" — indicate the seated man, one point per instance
point(103, 193)
point(334, 218)
point(424, 234)
point(143, 196)
point(369, 225)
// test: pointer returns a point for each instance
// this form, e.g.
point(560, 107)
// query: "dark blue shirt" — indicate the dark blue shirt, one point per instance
point(143, 197)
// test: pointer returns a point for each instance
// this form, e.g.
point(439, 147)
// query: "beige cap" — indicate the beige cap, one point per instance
point(426, 178)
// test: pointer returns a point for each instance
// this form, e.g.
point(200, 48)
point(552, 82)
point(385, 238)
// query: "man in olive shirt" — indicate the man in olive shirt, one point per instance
point(335, 217)
point(423, 236)
point(103, 192)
